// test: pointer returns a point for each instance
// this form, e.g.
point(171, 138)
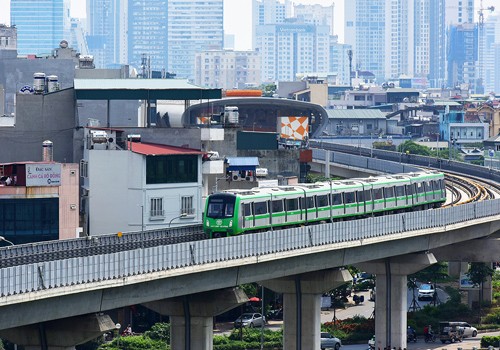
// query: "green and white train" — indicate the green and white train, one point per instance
point(233, 212)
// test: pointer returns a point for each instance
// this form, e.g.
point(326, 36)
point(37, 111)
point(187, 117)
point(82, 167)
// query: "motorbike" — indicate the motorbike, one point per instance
point(430, 338)
point(411, 337)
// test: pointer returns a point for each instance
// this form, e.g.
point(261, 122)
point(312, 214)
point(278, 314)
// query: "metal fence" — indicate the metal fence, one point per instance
point(143, 260)
point(402, 161)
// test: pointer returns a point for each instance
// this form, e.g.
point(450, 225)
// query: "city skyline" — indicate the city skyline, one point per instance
point(240, 26)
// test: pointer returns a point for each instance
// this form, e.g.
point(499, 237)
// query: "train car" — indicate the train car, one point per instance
point(234, 212)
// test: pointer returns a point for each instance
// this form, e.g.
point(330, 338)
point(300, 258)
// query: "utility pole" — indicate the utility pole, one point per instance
point(349, 54)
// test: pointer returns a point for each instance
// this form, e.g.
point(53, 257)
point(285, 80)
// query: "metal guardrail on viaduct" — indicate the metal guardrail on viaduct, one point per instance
point(112, 261)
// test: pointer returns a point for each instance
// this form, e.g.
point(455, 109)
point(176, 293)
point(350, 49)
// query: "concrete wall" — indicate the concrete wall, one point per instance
point(39, 118)
point(18, 72)
point(69, 201)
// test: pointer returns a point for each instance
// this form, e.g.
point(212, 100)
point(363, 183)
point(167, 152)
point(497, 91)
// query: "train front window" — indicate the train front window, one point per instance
point(220, 207)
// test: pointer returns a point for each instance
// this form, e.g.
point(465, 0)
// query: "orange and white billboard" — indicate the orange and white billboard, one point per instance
point(295, 128)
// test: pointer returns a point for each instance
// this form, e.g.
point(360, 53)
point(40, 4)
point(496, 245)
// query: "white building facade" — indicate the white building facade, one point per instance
point(144, 187)
point(290, 48)
point(227, 69)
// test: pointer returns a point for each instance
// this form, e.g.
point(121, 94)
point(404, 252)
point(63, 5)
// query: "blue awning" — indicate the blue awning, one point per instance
point(242, 163)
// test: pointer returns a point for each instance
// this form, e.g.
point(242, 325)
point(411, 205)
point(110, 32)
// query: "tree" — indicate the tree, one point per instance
point(414, 148)
point(478, 274)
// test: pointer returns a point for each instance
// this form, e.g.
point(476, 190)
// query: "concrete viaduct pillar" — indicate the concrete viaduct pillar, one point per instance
point(191, 316)
point(302, 305)
point(62, 334)
point(391, 305)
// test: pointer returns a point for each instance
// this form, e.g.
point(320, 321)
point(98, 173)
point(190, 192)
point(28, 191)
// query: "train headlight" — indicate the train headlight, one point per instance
point(208, 223)
point(231, 223)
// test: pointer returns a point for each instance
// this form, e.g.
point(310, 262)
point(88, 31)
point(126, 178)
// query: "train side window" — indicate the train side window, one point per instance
point(400, 191)
point(337, 198)
point(247, 209)
point(322, 201)
point(292, 204)
point(361, 196)
point(420, 187)
point(260, 208)
point(377, 193)
point(277, 206)
point(368, 195)
point(409, 190)
point(310, 203)
point(350, 197)
point(389, 192)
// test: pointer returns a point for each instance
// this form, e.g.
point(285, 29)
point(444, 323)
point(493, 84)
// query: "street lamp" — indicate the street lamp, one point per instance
point(183, 215)
point(2, 238)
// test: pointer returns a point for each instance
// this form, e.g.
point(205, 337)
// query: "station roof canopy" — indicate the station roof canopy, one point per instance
point(142, 89)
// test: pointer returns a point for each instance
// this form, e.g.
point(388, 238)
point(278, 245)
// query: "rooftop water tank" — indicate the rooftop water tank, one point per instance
point(39, 83)
point(52, 83)
point(231, 115)
point(47, 151)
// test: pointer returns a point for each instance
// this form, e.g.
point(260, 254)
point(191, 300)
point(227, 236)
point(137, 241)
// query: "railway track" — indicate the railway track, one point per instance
point(469, 189)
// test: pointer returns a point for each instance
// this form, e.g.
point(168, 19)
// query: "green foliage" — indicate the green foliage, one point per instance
point(479, 272)
point(249, 338)
point(159, 331)
point(492, 317)
point(268, 90)
point(414, 148)
point(312, 178)
point(434, 273)
point(388, 146)
point(134, 342)
point(352, 329)
point(1, 345)
point(486, 341)
point(250, 289)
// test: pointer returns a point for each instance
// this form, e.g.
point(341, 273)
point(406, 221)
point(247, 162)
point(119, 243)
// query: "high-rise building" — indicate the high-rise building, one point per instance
point(227, 69)
point(193, 26)
point(459, 11)
point(364, 30)
point(268, 12)
point(491, 37)
point(437, 44)
point(105, 39)
point(315, 14)
point(339, 61)
point(41, 24)
point(290, 48)
point(399, 38)
point(148, 35)
point(462, 56)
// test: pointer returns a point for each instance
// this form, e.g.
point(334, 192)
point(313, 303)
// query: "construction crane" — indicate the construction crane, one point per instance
point(481, 43)
point(481, 12)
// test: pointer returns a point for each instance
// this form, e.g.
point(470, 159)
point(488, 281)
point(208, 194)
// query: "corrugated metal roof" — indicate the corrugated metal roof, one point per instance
point(154, 149)
point(242, 161)
point(446, 103)
point(355, 114)
point(132, 84)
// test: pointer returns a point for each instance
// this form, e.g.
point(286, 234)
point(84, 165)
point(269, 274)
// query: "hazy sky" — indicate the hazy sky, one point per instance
point(234, 21)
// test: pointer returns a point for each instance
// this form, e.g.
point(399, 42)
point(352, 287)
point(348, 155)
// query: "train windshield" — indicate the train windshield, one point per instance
point(220, 206)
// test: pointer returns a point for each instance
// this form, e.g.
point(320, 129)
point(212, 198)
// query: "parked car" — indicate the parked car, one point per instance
point(250, 320)
point(468, 330)
point(328, 341)
point(426, 291)
point(371, 343)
